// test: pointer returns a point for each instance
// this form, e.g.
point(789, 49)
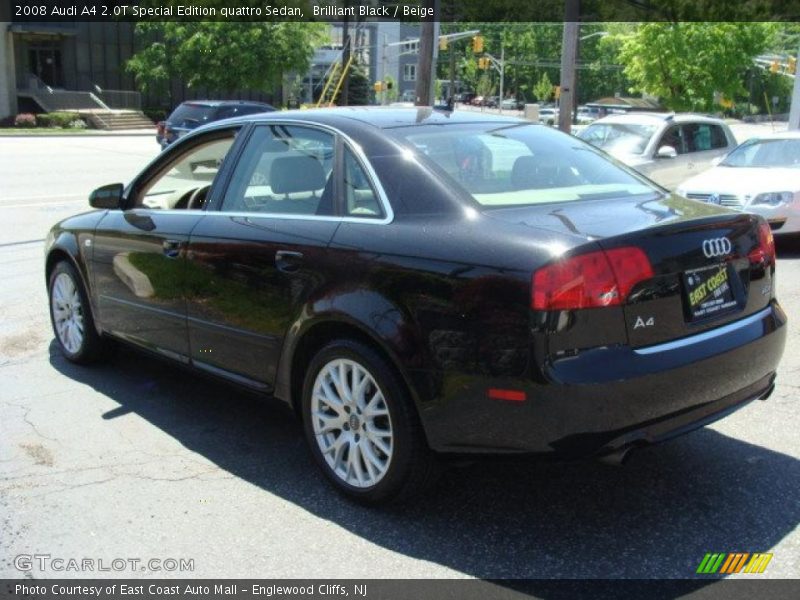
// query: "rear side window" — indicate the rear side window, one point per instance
point(285, 170)
point(360, 197)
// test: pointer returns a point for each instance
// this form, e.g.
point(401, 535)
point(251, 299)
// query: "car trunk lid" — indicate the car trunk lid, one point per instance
point(706, 269)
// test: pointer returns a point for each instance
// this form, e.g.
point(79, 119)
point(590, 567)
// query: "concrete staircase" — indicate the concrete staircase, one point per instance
point(115, 120)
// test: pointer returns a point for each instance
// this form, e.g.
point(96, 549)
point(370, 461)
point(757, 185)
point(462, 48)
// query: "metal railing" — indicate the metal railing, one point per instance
point(120, 99)
point(52, 99)
point(95, 97)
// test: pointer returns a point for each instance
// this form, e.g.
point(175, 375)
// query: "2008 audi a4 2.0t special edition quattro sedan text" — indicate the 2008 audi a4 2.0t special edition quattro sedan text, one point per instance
point(417, 284)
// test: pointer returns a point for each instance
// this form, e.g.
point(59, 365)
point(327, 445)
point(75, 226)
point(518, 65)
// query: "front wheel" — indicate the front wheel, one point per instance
point(362, 426)
point(71, 316)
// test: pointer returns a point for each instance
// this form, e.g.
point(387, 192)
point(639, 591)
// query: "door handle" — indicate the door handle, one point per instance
point(171, 248)
point(288, 261)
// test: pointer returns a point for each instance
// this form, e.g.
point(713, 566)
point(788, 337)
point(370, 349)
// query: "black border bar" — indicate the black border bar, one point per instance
point(700, 588)
point(60, 11)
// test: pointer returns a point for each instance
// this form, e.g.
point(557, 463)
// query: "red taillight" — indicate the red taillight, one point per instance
point(595, 279)
point(764, 253)
point(509, 395)
point(630, 266)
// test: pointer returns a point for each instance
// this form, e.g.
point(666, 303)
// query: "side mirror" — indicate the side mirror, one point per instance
point(667, 152)
point(108, 196)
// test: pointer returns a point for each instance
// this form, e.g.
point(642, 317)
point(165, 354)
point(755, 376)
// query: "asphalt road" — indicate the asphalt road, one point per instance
point(137, 459)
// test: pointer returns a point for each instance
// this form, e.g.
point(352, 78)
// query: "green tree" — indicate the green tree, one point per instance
point(684, 64)
point(359, 89)
point(485, 85)
point(543, 89)
point(391, 93)
point(223, 56)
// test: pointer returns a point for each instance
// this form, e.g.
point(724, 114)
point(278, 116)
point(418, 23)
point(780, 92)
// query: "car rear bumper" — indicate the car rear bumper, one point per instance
point(607, 399)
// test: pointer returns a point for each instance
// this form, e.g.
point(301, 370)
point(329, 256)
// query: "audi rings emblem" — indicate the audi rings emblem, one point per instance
point(717, 247)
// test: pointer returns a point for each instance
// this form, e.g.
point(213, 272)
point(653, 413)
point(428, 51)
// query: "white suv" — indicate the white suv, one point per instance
point(667, 148)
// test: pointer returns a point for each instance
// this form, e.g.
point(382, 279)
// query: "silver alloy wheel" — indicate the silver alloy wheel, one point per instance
point(65, 303)
point(351, 423)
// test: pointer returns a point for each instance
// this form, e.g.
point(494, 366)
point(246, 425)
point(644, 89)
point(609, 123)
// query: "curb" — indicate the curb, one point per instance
point(80, 135)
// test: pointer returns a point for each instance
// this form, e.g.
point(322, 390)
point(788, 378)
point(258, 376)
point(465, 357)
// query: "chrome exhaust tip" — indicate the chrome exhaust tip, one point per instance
point(616, 458)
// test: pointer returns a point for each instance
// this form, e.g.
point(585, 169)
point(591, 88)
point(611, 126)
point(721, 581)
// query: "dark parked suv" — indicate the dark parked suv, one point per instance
point(190, 115)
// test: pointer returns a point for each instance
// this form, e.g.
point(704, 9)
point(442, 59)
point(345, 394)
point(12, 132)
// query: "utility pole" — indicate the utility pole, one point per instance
point(448, 12)
point(384, 67)
point(424, 91)
point(346, 49)
point(569, 54)
point(452, 95)
point(794, 111)
point(502, 77)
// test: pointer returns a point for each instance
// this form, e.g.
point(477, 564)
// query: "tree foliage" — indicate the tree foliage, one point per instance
point(223, 56)
point(543, 89)
point(359, 90)
point(684, 64)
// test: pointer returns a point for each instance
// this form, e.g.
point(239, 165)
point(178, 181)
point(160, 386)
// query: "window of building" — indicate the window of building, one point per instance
point(409, 72)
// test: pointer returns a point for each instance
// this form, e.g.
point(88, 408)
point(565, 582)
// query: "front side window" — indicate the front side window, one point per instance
point(286, 170)
point(184, 181)
point(674, 138)
point(522, 164)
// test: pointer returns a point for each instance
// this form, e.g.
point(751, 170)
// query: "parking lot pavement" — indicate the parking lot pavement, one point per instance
point(138, 459)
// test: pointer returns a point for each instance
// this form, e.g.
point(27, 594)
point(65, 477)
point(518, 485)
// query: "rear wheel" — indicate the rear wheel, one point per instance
point(362, 426)
point(71, 316)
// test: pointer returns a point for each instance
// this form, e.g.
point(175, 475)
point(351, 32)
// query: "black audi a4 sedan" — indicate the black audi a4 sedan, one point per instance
point(418, 284)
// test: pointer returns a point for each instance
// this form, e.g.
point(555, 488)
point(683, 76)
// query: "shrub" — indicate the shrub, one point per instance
point(78, 124)
point(57, 119)
point(155, 114)
point(25, 120)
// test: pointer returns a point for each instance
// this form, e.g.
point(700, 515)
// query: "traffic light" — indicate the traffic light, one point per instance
point(378, 87)
point(483, 62)
point(477, 44)
point(792, 66)
point(442, 43)
point(775, 66)
point(557, 91)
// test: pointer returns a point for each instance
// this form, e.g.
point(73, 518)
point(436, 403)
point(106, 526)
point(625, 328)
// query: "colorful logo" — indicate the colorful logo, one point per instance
point(721, 563)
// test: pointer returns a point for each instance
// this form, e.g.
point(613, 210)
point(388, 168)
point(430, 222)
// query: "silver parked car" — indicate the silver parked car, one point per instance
point(667, 148)
point(761, 176)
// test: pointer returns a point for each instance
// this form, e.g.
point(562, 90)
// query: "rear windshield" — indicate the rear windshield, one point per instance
point(621, 138)
point(515, 165)
point(191, 114)
point(238, 110)
point(766, 153)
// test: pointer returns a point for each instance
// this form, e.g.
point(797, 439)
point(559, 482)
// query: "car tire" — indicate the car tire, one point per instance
point(71, 316)
point(365, 435)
